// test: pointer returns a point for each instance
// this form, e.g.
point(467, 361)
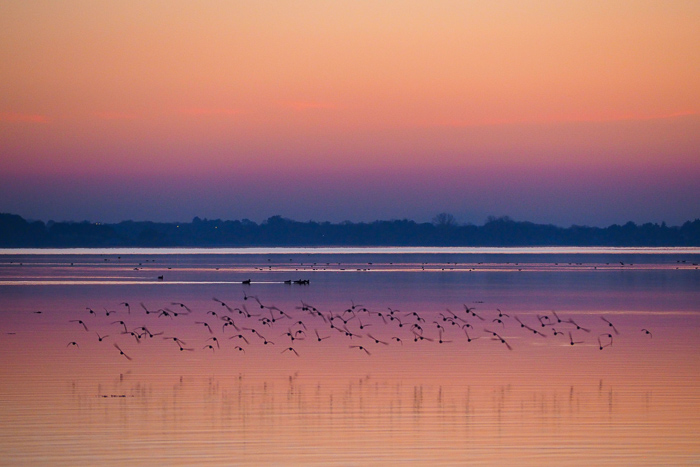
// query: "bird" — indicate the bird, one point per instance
point(205, 325)
point(176, 339)
point(570, 320)
point(420, 337)
point(148, 312)
point(100, 338)
point(544, 320)
point(229, 323)
point(319, 337)
point(216, 341)
point(610, 325)
point(534, 331)
point(240, 336)
point(135, 335)
point(454, 319)
point(349, 333)
point(246, 296)
point(290, 349)
point(396, 318)
point(440, 341)
point(74, 344)
point(607, 344)
point(148, 333)
point(243, 311)
point(498, 337)
point(571, 340)
point(647, 332)
point(120, 322)
point(222, 303)
point(361, 348)
point(469, 339)
point(121, 351)
point(292, 335)
point(417, 316)
point(473, 313)
point(80, 321)
point(182, 305)
point(376, 341)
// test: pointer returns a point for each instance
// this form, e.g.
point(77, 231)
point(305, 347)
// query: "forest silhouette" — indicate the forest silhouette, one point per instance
point(16, 232)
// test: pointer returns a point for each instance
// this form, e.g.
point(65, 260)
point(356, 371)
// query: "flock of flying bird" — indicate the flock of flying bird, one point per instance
point(244, 327)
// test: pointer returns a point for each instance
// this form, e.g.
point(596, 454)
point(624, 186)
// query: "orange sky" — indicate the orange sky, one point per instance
point(135, 89)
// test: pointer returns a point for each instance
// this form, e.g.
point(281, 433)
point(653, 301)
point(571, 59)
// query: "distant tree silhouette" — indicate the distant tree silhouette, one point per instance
point(279, 231)
point(445, 219)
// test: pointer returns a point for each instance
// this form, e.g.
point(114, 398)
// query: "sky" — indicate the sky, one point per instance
point(577, 112)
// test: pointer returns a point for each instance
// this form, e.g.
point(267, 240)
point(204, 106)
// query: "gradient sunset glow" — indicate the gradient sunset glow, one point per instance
point(579, 112)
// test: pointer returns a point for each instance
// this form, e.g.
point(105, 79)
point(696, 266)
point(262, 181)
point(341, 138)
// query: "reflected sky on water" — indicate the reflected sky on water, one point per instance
point(445, 359)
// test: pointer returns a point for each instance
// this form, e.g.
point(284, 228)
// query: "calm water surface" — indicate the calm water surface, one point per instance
point(449, 356)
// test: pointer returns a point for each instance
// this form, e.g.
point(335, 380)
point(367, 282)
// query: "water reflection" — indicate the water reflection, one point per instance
point(301, 419)
point(635, 401)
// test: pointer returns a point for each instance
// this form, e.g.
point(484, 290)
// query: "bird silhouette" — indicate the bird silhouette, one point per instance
point(319, 337)
point(79, 321)
point(290, 349)
point(609, 340)
point(570, 320)
point(206, 325)
point(610, 325)
point(122, 323)
point(181, 305)
point(571, 340)
point(498, 337)
point(121, 351)
point(361, 348)
point(215, 340)
point(148, 312)
point(240, 336)
point(376, 341)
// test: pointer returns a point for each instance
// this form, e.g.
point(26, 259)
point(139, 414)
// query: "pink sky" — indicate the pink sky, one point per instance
point(564, 112)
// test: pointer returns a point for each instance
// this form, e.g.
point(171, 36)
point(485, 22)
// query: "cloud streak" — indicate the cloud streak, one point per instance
point(210, 112)
point(16, 117)
point(308, 105)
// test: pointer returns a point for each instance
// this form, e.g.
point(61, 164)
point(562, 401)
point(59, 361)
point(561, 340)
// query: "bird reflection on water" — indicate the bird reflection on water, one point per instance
point(393, 393)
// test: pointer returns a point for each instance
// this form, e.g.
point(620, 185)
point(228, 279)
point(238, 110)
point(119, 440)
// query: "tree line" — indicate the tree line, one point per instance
point(16, 232)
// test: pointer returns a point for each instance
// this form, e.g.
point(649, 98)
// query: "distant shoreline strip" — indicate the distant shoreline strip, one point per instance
point(353, 250)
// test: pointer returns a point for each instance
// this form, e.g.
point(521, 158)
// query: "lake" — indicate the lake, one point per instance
point(441, 356)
